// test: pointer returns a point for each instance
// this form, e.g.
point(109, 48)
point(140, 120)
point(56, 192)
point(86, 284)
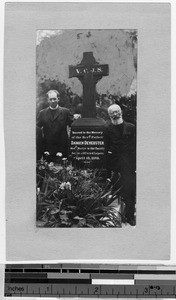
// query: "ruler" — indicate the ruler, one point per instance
point(90, 280)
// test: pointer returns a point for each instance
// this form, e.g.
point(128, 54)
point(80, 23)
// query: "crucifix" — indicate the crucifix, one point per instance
point(89, 72)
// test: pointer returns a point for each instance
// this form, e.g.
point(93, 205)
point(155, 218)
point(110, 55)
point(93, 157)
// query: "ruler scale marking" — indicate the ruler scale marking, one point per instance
point(26, 280)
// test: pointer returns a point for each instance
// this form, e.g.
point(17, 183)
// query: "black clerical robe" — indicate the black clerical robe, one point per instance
point(54, 126)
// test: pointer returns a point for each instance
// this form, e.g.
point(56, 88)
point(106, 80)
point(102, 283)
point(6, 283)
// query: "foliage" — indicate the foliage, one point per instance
point(70, 197)
point(127, 104)
point(74, 102)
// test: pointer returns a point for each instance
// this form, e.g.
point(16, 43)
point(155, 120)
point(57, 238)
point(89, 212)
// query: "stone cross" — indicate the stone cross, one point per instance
point(89, 72)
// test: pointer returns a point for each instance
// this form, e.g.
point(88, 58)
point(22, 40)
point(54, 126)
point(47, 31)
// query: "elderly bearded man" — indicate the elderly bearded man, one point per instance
point(54, 121)
point(120, 145)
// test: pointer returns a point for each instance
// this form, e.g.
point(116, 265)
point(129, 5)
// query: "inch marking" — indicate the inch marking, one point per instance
point(143, 290)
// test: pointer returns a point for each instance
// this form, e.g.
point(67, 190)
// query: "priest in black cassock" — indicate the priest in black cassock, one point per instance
point(120, 144)
point(53, 121)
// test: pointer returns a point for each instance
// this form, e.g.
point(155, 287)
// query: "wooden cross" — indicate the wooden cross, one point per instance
point(89, 72)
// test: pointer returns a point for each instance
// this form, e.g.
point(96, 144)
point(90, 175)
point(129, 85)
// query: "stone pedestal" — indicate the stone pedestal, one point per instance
point(87, 143)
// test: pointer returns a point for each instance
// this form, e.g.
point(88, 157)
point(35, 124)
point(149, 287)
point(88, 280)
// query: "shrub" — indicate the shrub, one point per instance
point(70, 197)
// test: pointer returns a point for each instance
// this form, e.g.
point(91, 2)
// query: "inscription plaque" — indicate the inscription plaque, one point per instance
point(87, 142)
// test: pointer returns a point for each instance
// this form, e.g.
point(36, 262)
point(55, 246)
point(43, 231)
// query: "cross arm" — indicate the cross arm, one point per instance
point(81, 70)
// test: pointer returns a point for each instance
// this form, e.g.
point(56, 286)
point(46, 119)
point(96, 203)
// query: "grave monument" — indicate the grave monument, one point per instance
point(87, 133)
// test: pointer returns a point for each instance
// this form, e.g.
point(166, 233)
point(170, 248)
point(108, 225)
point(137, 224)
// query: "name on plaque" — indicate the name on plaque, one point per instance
point(87, 145)
point(82, 70)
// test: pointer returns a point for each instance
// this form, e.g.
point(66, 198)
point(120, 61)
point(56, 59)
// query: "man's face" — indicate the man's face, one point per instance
point(115, 113)
point(53, 99)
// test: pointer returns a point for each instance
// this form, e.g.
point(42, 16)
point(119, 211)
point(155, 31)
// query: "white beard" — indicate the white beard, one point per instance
point(117, 121)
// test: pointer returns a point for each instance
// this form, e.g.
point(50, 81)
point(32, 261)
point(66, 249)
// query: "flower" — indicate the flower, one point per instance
point(46, 153)
point(77, 116)
point(59, 154)
point(68, 185)
point(65, 185)
point(62, 186)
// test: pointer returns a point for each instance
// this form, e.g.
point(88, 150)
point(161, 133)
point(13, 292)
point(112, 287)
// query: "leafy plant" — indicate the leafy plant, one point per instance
point(70, 197)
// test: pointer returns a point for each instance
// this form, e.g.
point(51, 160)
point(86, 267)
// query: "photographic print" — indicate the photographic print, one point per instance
point(86, 97)
point(86, 128)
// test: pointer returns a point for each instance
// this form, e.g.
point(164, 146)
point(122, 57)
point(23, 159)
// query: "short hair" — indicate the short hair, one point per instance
point(114, 106)
point(55, 91)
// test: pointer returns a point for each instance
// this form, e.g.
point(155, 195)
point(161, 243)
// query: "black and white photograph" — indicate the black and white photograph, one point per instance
point(86, 118)
point(87, 108)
